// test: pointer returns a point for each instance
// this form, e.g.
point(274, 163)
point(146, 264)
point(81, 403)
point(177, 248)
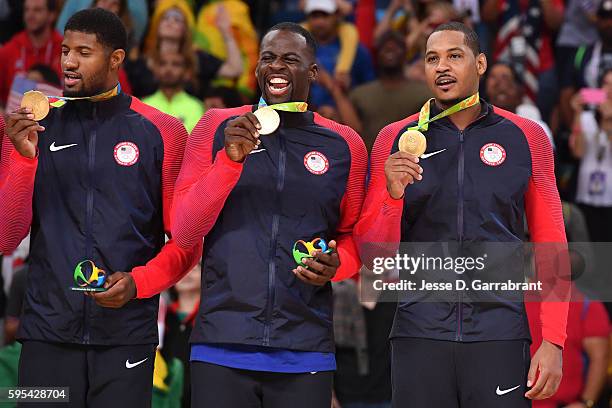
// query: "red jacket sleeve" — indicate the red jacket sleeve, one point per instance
point(378, 231)
point(352, 201)
point(204, 184)
point(172, 262)
point(17, 174)
point(547, 230)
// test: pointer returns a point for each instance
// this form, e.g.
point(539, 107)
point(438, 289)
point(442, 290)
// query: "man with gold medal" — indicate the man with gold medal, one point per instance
point(91, 173)
point(461, 172)
point(257, 183)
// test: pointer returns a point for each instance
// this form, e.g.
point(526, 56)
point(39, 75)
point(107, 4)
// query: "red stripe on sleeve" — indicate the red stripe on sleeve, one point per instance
point(17, 174)
point(352, 201)
point(173, 262)
point(378, 231)
point(545, 221)
point(204, 184)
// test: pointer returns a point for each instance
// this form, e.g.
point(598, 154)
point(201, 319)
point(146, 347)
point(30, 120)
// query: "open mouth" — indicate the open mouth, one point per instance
point(278, 86)
point(71, 78)
point(445, 83)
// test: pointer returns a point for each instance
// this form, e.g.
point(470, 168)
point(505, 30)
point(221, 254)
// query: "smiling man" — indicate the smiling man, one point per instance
point(264, 335)
point(484, 170)
point(94, 181)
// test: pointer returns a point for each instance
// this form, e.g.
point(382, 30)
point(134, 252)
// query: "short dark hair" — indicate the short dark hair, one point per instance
point(390, 35)
point(107, 27)
point(52, 5)
point(471, 38)
point(298, 29)
point(48, 74)
point(513, 70)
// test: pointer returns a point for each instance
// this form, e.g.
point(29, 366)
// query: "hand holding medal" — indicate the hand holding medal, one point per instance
point(22, 126)
point(242, 134)
point(401, 169)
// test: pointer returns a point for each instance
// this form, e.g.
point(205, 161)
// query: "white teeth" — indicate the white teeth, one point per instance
point(278, 81)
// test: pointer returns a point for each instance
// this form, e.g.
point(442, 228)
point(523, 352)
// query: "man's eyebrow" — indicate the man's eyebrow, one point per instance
point(287, 54)
point(455, 49)
point(79, 47)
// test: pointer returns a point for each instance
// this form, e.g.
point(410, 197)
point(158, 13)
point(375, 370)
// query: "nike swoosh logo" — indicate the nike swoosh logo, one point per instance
point(426, 155)
point(257, 151)
point(504, 392)
point(55, 148)
point(132, 365)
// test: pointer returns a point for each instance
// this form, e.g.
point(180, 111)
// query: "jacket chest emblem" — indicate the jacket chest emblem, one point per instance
point(492, 154)
point(316, 163)
point(126, 153)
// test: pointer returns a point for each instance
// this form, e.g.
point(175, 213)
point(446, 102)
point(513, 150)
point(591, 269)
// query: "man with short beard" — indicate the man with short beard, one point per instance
point(94, 181)
point(172, 71)
point(483, 172)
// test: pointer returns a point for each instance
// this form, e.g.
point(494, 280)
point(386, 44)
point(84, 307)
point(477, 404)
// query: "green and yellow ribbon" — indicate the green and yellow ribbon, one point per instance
point(285, 107)
point(424, 120)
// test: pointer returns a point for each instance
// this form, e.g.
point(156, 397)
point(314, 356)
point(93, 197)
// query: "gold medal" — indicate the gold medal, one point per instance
point(413, 142)
point(37, 102)
point(269, 120)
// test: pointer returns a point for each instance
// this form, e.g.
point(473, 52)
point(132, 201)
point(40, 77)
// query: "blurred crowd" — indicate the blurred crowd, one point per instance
point(549, 61)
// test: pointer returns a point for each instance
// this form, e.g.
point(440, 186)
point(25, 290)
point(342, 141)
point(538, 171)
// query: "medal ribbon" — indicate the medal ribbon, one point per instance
point(424, 120)
point(285, 107)
point(58, 101)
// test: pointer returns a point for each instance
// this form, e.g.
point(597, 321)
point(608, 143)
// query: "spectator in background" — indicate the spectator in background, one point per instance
point(14, 305)
point(524, 38)
point(437, 13)
point(504, 90)
point(172, 71)
point(213, 38)
point(591, 143)
point(342, 111)
point(579, 30)
point(586, 349)
point(363, 354)
point(348, 38)
point(133, 12)
point(171, 30)
point(392, 96)
point(43, 74)
point(180, 318)
point(39, 43)
point(11, 17)
point(588, 64)
point(221, 98)
point(323, 21)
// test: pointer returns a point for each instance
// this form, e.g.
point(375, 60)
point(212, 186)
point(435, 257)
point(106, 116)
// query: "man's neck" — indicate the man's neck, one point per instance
point(187, 301)
point(464, 118)
point(39, 39)
point(171, 92)
point(329, 39)
point(391, 79)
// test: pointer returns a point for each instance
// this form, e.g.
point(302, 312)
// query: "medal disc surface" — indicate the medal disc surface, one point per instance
point(413, 142)
point(38, 102)
point(268, 118)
